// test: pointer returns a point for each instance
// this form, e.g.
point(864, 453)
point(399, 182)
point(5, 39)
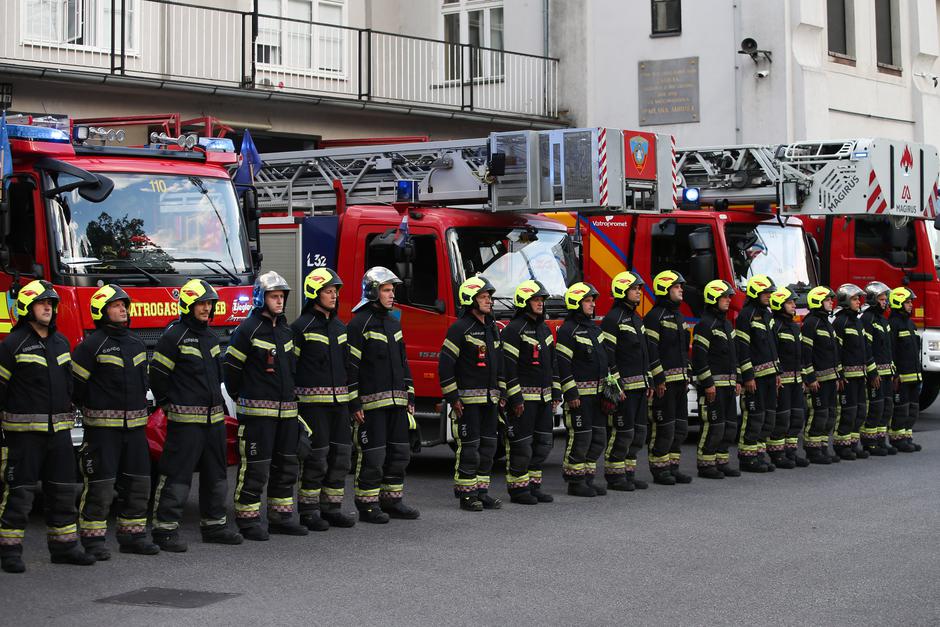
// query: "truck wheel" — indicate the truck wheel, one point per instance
point(929, 390)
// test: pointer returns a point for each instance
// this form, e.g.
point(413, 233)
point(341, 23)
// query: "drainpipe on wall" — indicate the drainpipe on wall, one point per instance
point(738, 105)
point(545, 72)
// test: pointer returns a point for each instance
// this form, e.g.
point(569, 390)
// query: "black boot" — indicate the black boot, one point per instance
point(470, 503)
point(12, 564)
point(904, 446)
point(137, 545)
point(780, 460)
point(728, 471)
point(287, 528)
point(523, 496)
point(620, 483)
point(314, 521)
point(599, 490)
point(98, 550)
point(489, 502)
point(169, 542)
point(663, 477)
point(680, 476)
point(372, 514)
point(710, 472)
point(891, 448)
point(876, 450)
point(917, 447)
point(255, 533)
point(818, 456)
point(580, 488)
point(397, 509)
point(859, 451)
point(336, 518)
point(799, 460)
point(537, 492)
point(751, 463)
point(75, 556)
point(846, 453)
point(220, 534)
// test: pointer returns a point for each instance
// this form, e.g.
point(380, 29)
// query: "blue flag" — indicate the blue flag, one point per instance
point(403, 235)
point(6, 157)
point(249, 166)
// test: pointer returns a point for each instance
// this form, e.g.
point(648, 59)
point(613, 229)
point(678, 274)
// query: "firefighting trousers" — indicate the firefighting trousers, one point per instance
point(906, 409)
point(880, 410)
point(383, 452)
point(191, 447)
point(790, 416)
point(758, 417)
point(543, 439)
point(626, 434)
point(114, 458)
point(475, 432)
point(522, 442)
point(267, 456)
point(586, 427)
point(324, 469)
point(821, 418)
point(717, 417)
point(851, 412)
point(26, 458)
point(670, 426)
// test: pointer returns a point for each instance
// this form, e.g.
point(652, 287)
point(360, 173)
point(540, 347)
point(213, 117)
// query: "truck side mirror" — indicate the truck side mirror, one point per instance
point(700, 268)
point(439, 306)
point(898, 258)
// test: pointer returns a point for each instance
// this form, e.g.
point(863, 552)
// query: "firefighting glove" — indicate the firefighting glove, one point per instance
point(414, 434)
point(304, 446)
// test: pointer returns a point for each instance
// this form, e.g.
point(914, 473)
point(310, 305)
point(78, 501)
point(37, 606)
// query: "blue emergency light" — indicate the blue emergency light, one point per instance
point(691, 195)
point(37, 133)
point(407, 191)
point(217, 144)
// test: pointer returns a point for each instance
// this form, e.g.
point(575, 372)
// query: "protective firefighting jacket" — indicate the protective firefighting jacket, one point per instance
point(186, 372)
point(529, 360)
point(714, 357)
point(320, 351)
point(786, 332)
point(109, 370)
point(854, 349)
point(878, 334)
point(377, 371)
point(582, 357)
point(667, 341)
point(35, 381)
point(259, 367)
point(905, 346)
point(470, 365)
point(755, 342)
point(820, 350)
point(624, 338)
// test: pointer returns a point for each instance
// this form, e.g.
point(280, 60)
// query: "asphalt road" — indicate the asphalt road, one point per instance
point(853, 543)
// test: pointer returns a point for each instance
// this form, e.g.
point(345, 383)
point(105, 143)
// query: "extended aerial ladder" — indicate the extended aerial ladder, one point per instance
point(840, 177)
point(559, 170)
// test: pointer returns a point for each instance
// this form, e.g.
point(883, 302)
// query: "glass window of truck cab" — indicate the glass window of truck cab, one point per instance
point(877, 238)
point(687, 248)
point(779, 251)
point(419, 287)
point(156, 224)
point(507, 256)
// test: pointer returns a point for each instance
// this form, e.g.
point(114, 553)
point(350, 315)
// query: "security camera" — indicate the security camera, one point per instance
point(763, 74)
point(748, 45)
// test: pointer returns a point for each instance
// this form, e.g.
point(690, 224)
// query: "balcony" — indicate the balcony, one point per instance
point(162, 43)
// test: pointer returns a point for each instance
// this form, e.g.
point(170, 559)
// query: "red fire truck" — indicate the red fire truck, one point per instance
point(81, 211)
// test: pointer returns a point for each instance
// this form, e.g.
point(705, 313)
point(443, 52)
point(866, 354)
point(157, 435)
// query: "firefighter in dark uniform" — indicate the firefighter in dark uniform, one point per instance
point(905, 348)
point(259, 376)
point(470, 371)
point(533, 391)
point(857, 366)
point(624, 339)
point(784, 442)
point(880, 392)
point(668, 345)
point(320, 349)
point(381, 399)
point(760, 375)
point(822, 375)
point(715, 371)
point(186, 380)
point(109, 369)
point(582, 369)
point(35, 396)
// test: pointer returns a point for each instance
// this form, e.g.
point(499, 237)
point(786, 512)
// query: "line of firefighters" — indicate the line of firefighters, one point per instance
point(306, 392)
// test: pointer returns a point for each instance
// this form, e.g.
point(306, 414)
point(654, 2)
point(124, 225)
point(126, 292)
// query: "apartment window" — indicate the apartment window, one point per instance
point(667, 17)
point(477, 23)
point(885, 33)
point(840, 27)
point(304, 35)
point(78, 22)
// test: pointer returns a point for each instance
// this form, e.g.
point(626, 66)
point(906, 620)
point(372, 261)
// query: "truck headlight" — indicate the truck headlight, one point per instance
point(933, 345)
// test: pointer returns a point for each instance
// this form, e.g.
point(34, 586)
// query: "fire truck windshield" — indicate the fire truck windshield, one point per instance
point(152, 224)
point(778, 251)
point(509, 256)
